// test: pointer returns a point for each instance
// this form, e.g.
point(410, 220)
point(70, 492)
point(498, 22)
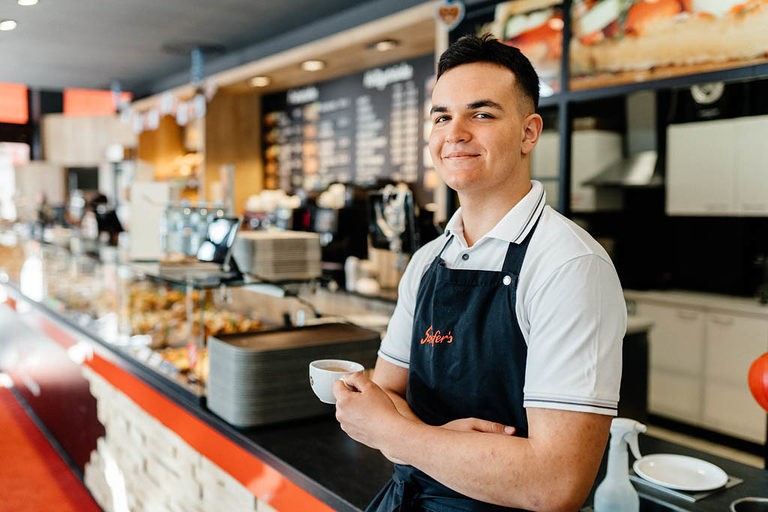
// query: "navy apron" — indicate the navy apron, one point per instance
point(467, 360)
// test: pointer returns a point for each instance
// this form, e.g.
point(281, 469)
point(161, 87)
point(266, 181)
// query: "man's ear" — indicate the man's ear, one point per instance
point(532, 126)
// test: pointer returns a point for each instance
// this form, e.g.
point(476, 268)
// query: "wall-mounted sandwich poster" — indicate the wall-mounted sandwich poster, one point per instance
point(536, 28)
point(619, 41)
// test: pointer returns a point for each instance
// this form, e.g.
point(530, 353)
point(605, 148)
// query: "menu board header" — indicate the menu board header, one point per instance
point(380, 78)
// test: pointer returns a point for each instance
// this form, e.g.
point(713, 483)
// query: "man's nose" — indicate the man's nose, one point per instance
point(457, 132)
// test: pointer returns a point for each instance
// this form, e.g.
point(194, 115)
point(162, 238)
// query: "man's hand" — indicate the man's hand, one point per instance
point(478, 425)
point(367, 414)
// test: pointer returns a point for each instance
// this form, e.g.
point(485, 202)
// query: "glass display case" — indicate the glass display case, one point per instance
point(162, 323)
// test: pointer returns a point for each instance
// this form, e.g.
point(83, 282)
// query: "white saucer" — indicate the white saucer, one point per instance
point(680, 472)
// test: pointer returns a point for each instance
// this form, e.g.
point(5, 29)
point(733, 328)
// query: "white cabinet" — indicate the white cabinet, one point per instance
point(676, 360)
point(731, 344)
point(700, 167)
point(591, 152)
point(545, 164)
point(699, 360)
point(752, 166)
point(545, 157)
point(674, 396)
point(676, 341)
point(713, 168)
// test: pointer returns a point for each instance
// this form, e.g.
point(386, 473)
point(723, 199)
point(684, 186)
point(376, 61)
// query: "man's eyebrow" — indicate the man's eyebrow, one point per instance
point(437, 108)
point(484, 103)
point(470, 106)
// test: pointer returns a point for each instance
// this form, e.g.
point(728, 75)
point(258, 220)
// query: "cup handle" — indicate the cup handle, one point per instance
point(348, 386)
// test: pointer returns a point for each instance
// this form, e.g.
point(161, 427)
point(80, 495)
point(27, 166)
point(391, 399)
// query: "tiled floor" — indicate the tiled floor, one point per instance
point(706, 446)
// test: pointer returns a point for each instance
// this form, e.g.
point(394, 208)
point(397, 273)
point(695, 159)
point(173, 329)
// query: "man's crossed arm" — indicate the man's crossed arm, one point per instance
point(553, 469)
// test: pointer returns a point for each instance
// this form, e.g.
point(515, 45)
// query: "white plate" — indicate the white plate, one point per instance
point(680, 472)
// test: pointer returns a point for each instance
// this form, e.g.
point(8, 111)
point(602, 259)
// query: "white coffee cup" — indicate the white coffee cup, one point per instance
point(324, 372)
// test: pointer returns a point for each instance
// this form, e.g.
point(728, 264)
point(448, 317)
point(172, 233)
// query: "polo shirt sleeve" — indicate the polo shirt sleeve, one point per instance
point(396, 345)
point(577, 321)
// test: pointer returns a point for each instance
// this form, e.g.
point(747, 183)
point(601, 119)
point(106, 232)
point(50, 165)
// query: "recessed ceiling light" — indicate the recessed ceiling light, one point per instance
point(313, 65)
point(7, 25)
point(260, 81)
point(384, 45)
point(27, 3)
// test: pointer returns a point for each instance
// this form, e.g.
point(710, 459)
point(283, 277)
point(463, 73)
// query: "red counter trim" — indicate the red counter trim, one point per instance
point(265, 482)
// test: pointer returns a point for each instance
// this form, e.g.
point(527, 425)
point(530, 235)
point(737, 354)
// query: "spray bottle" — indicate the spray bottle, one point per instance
point(615, 493)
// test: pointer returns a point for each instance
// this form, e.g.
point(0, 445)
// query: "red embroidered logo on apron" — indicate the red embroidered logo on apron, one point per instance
point(436, 337)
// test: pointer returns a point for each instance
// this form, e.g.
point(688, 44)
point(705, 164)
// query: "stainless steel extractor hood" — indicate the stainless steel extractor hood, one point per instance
point(639, 170)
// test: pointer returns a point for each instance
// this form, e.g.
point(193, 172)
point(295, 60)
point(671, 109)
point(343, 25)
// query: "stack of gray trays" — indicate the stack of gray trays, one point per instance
point(278, 255)
point(263, 377)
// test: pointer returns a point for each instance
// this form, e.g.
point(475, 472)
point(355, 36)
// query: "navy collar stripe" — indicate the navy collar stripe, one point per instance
point(531, 216)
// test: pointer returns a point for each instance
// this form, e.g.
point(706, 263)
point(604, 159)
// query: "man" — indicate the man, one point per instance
point(510, 322)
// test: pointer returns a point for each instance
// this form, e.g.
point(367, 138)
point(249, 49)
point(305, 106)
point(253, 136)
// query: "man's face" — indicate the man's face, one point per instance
point(477, 127)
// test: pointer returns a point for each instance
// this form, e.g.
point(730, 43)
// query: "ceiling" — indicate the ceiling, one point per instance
point(145, 44)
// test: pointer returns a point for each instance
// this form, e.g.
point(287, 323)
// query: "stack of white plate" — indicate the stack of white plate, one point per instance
point(261, 378)
point(278, 255)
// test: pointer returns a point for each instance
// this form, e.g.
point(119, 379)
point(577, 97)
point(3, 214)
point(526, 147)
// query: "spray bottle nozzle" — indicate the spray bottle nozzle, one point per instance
point(625, 429)
point(632, 442)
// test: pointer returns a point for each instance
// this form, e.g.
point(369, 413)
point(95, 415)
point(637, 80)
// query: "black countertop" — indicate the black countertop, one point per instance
point(318, 449)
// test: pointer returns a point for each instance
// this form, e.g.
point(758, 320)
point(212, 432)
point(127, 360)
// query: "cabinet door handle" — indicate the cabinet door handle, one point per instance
point(687, 315)
point(722, 320)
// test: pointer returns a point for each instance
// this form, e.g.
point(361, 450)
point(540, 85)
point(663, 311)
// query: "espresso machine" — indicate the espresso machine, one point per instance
point(392, 223)
point(342, 224)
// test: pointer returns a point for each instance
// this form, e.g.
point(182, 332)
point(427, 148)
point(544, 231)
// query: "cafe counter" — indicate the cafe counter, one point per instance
point(113, 381)
point(143, 439)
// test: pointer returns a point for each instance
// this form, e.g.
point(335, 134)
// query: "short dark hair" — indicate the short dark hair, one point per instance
point(470, 48)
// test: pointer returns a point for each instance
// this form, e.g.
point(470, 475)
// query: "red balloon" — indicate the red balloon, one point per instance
point(758, 380)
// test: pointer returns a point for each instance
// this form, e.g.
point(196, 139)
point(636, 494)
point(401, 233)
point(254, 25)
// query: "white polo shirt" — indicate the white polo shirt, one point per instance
point(569, 305)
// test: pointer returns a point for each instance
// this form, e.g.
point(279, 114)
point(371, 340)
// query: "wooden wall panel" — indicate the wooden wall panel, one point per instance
point(233, 136)
point(82, 141)
point(161, 147)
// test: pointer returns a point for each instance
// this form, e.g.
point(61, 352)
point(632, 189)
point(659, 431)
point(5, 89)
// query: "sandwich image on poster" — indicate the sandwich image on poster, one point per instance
point(617, 41)
point(536, 28)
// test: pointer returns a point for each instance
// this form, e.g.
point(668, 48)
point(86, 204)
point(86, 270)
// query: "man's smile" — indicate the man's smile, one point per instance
point(459, 155)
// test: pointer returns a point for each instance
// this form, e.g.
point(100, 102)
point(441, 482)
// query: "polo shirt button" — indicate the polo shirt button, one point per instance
point(465, 256)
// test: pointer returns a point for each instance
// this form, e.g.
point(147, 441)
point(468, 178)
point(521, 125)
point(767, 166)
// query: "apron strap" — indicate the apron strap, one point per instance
point(513, 261)
point(440, 254)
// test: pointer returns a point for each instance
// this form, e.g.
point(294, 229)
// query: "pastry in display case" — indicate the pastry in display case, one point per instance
point(175, 322)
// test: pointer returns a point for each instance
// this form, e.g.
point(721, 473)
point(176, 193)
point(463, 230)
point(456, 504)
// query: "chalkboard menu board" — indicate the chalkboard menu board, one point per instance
point(359, 129)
